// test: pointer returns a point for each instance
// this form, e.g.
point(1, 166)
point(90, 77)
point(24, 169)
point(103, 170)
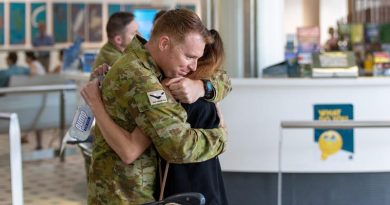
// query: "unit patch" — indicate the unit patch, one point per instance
point(157, 97)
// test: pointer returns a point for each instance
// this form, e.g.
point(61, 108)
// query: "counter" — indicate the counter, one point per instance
point(254, 109)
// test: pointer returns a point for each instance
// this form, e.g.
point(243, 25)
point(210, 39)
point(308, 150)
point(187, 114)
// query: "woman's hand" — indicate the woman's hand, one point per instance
point(220, 115)
point(92, 96)
point(100, 71)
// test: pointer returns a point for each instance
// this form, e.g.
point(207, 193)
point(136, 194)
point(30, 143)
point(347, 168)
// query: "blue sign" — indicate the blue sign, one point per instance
point(38, 16)
point(332, 141)
point(17, 23)
point(60, 22)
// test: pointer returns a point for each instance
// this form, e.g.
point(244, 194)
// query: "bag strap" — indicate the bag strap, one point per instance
point(164, 180)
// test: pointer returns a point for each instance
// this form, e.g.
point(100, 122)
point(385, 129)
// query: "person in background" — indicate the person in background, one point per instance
point(36, 68)
point(121, 29)
point(13, 69)
point(58, 68)
point(331, 43)
point(43, 39)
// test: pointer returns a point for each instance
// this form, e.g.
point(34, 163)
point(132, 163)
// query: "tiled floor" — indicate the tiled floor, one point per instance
point(45, 182)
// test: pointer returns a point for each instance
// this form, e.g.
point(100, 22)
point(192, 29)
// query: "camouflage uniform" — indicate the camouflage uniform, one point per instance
point(108, 54)
point(222, 85)
point(127, 91)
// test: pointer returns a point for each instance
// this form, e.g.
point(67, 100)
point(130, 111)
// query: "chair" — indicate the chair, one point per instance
point(190, 198)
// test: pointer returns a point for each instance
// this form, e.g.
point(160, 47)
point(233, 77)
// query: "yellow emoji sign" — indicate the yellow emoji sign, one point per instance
point(330, 143)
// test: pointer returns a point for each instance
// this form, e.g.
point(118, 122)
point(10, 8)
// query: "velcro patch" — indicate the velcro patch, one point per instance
point(157, 97)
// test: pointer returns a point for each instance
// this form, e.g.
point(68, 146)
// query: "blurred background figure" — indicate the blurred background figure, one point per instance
point(36, 68)
point(43, 39)
point(331, 43)
point(58, 68)
point(13, 69)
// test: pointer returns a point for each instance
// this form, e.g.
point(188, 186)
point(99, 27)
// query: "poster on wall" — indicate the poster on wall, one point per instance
point(78, 18)
point(357, 33)
point(334, 143)
point(308, 39)
point(1, 23)
point(113, 8)
point(95, 23)
point(38, 18)
point(60, 22)
point(191, 7)
point(384, 36)
point(17, 23)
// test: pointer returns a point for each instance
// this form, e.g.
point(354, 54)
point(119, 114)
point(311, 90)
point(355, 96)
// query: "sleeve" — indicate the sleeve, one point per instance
point(222, 85)
point(160, 117)
point(99, 60)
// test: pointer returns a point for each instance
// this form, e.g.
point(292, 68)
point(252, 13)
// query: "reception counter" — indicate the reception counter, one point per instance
point(254, 109)
point(253, 112)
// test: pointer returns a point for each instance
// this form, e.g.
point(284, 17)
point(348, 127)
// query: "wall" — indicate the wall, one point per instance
point(311, 12)
point(270, 35)
point(330, 12)
point(255, 108)
point(293, 15)
point(49, 23)
point(231, 29)
point(323, 13)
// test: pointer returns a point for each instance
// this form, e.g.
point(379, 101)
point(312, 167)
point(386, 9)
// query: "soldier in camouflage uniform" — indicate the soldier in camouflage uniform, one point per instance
point(121, 29)
point(134, 97)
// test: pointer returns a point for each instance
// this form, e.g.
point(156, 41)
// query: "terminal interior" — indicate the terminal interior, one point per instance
point(307, 119)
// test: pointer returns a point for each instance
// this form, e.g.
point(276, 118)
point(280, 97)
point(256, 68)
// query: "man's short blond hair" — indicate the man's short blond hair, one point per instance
point(178, 23)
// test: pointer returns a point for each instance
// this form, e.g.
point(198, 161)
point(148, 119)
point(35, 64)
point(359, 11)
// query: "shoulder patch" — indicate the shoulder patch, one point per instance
point(157, 97)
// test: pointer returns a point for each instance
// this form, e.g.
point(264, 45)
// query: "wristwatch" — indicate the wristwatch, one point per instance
point(208, 89)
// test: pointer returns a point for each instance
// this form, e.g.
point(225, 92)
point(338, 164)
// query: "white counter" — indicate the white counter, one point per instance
point(255, 108)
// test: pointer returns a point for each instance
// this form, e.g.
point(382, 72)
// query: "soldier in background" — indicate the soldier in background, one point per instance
point(121, 29)
point(134, 97)
point(43, 39)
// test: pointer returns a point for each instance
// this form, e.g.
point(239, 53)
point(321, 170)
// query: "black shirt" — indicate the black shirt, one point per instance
point(203, 177)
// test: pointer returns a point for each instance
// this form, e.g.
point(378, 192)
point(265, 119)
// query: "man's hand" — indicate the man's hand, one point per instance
point(184, 89)
point(100, 70)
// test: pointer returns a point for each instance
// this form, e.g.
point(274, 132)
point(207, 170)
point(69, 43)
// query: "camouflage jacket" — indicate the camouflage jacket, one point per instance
point(134, 97)
point(108, 54)
point(222, 85)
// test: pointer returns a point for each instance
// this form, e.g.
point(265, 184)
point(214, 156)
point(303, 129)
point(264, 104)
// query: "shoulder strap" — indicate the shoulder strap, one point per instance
point(164, 180)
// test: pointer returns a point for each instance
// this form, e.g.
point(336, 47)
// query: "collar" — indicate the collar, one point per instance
point(111, 46)
point(137, 46)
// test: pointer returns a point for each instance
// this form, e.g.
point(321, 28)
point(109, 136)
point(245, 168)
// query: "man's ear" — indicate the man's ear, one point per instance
point(163, 43)
point(117, 40)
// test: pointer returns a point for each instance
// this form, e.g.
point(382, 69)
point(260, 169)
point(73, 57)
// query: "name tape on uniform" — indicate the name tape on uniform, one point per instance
point(157, 97)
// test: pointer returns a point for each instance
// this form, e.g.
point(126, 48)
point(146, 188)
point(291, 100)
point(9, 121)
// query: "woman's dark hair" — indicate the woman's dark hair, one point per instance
point(212, 59)
point(12, 57)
